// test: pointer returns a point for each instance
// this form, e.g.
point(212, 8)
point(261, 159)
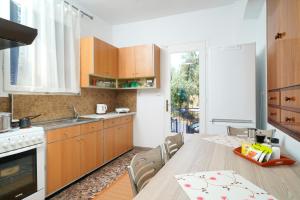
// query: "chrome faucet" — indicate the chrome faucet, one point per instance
point(76, 113)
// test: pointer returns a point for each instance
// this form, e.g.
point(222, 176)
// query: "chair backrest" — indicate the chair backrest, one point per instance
point(267, 133)
point(231, 131)
point(172, 144)
point(143, 167)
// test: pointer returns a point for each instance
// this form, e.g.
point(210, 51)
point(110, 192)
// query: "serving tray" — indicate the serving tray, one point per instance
point(276, 162)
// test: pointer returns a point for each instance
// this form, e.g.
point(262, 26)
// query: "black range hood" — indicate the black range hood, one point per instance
point(13, 34)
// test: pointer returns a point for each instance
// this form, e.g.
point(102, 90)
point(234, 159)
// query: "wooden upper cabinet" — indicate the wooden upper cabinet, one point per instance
point(144, 61)
point(101, 58)
point(86, 60)
point(284, 64)
point(290, 41)
point(104, 61)
point(274, 70)
point(113, 61)
point(126, 62)
point(139, 61)
point(97, 58)
point(283, 43)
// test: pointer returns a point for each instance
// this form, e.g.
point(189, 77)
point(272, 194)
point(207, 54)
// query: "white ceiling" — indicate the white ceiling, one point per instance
point(125, 11)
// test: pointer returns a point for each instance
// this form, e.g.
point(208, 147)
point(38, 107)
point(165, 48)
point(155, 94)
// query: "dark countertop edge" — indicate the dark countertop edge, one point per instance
point(88, 120)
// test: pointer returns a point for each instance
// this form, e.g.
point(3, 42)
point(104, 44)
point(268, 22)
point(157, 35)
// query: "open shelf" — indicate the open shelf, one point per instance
point(99, 82)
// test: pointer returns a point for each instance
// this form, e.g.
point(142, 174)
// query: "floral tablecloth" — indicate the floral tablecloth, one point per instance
point(230, 141)
point(220, 185)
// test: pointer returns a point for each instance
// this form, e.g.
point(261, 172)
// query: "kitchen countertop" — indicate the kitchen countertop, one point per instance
point(50, 125)
point(107, 115)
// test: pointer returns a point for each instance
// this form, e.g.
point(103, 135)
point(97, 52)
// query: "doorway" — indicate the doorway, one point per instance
point(185, 100)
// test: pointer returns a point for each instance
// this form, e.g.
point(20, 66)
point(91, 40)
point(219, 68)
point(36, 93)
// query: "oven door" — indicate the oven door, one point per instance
point(18, 173)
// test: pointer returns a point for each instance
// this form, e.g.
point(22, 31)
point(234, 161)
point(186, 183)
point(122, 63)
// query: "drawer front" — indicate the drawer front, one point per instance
point(291, 98)
point(274, 98)
point(290, 120)
point(110, 123)
point(274, 114)
point(125, 120)
point(62, 133)
point(91, 127)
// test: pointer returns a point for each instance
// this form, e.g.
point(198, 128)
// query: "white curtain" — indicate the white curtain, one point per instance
point(51, 63)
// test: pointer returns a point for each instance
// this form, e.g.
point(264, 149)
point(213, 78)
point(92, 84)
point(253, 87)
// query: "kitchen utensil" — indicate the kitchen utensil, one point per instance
point(5, 121)
point(101, 108)
point(25, 122)
point(122, 110)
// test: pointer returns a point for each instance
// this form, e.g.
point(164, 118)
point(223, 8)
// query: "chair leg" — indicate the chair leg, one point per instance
point(132, 182)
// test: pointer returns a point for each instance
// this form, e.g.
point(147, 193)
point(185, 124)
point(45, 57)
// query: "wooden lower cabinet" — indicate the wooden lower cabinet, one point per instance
point(74, 152)
point(129, 129)
point(63, 163)
point(120, 143)
point(88, 152)
point(70, 160)
point(118, 139)
point(54, 166)
point(109, 138)
point(99, 148)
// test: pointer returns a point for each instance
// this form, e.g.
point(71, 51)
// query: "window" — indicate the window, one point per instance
point(51, 63)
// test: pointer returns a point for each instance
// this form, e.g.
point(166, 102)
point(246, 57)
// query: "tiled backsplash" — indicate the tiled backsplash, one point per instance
point(60, 106)
point(127, 98)
point(4, 104)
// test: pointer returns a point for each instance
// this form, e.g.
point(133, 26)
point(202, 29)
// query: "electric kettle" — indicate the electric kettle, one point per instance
point(101, 108)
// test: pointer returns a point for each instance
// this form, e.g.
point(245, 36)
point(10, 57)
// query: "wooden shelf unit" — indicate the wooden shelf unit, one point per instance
point(101, 61)
point(284, 65)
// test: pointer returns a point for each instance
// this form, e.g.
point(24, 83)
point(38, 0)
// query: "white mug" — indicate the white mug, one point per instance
point(101, 108)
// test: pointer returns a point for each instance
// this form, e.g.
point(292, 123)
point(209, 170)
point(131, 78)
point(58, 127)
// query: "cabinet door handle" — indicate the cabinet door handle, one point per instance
point(289, 98)
point(272, 98)
point(167, 105)
point(289, 119)
point(273, 113)
point(279, 35)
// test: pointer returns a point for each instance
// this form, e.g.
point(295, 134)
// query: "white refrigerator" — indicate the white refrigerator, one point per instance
point(231, 88)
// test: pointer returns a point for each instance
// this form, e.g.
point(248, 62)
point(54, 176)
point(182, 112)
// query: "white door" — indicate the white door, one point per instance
point(231, 93)
point(185, 89)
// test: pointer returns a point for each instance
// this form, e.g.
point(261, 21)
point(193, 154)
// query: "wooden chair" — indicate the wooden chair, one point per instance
point(173, 144)
point(143, 167)
point(231, 131)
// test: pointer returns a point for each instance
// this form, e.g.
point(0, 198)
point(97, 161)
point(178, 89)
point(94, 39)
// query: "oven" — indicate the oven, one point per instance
point(22, 173)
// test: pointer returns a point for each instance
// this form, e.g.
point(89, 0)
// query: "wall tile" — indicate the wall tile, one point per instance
point(54, 107)
point(127, 98)
point(4, 104)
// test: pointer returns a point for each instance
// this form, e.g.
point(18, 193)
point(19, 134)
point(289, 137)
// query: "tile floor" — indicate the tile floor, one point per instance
point(89, 186)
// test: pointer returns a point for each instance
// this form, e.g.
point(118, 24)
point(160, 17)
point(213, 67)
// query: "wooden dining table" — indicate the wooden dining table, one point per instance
point(197, 154)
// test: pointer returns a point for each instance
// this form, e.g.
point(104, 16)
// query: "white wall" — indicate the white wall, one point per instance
point(288, 143)
point(218, 26)
point(96, 27)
